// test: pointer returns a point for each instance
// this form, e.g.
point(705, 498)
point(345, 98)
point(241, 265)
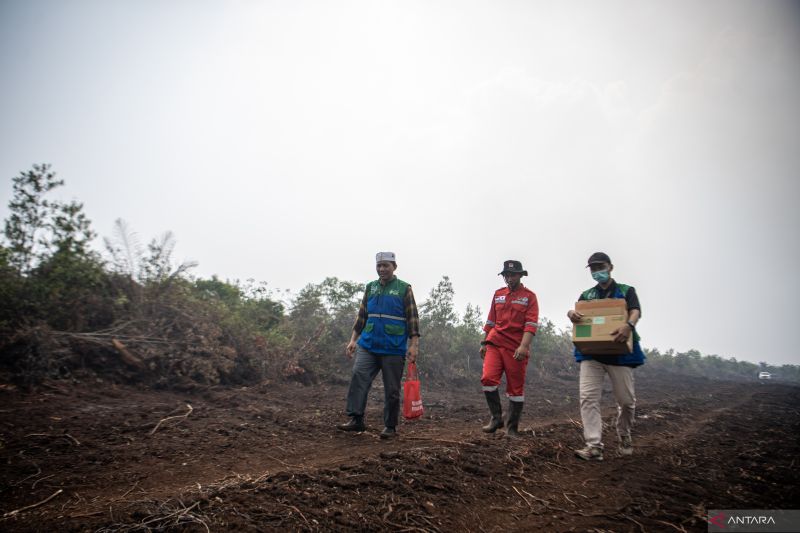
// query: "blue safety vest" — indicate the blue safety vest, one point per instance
point(386, 331)
point(636, 358)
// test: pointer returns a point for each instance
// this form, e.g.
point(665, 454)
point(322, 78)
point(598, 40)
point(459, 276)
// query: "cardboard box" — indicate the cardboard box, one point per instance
point(592, 335)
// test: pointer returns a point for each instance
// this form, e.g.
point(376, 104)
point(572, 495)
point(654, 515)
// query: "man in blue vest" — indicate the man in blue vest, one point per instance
point(385, 334)
point(618, 367)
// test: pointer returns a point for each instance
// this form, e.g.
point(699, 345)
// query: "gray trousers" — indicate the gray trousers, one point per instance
point(365, 368)
point(591, 389)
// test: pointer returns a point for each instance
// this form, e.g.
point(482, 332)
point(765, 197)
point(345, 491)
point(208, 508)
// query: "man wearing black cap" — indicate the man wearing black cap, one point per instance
point(618, 367)
point(513, 319)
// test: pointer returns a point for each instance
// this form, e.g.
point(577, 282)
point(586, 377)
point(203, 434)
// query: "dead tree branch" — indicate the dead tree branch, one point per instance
point(17, 511)
point(185, 415)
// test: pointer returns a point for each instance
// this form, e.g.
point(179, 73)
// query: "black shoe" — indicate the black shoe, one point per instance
point(514, 412)
point(493, 425)
point(388, 433)
point(496, 408)
point(356, 424)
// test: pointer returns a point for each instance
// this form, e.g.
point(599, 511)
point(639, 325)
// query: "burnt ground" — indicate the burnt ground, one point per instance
point(109, 458)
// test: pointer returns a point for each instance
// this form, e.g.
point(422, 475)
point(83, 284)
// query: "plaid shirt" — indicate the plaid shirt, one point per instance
point(412, 316)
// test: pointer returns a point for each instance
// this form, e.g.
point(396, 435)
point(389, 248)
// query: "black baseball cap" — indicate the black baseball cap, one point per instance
point(598, 257)
point(512, 266)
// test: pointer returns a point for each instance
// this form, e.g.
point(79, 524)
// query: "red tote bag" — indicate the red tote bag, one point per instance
point(412, 401)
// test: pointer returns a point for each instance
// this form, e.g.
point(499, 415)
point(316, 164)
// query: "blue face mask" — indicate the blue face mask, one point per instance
point(601, 276)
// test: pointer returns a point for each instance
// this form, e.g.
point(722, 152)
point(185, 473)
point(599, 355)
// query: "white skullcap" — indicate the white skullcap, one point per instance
point(385, 256)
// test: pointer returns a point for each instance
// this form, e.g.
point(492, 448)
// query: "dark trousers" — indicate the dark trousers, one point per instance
point(365, 368)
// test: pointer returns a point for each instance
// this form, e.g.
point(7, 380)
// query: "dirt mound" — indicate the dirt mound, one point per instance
point(267, 458)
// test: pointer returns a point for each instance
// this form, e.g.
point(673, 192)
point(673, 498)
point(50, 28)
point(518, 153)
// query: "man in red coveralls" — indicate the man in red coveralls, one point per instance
point(513, 319)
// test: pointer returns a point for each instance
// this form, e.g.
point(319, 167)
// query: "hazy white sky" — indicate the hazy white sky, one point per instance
point(290, 141)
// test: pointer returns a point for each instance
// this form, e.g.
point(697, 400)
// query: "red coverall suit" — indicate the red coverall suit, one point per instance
point(510, 316)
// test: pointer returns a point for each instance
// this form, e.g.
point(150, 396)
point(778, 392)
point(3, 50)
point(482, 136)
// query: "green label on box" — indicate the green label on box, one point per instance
point(582, 330)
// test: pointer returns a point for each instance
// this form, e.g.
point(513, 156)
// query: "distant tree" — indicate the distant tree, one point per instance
point(438, 310)
point(472, 320)
point(317, 328)
point(251, 305)
point(71, 230)
point(223, 291)
point(9, 293)
point(468, 335)
point(71, 290)
point(158, 265)
point(340, 295)
point(444, 347)
point(125, 250)
point(5, 256)
point(38, 227)
point(57, 278)
point(788, 373)
point(551, 350)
